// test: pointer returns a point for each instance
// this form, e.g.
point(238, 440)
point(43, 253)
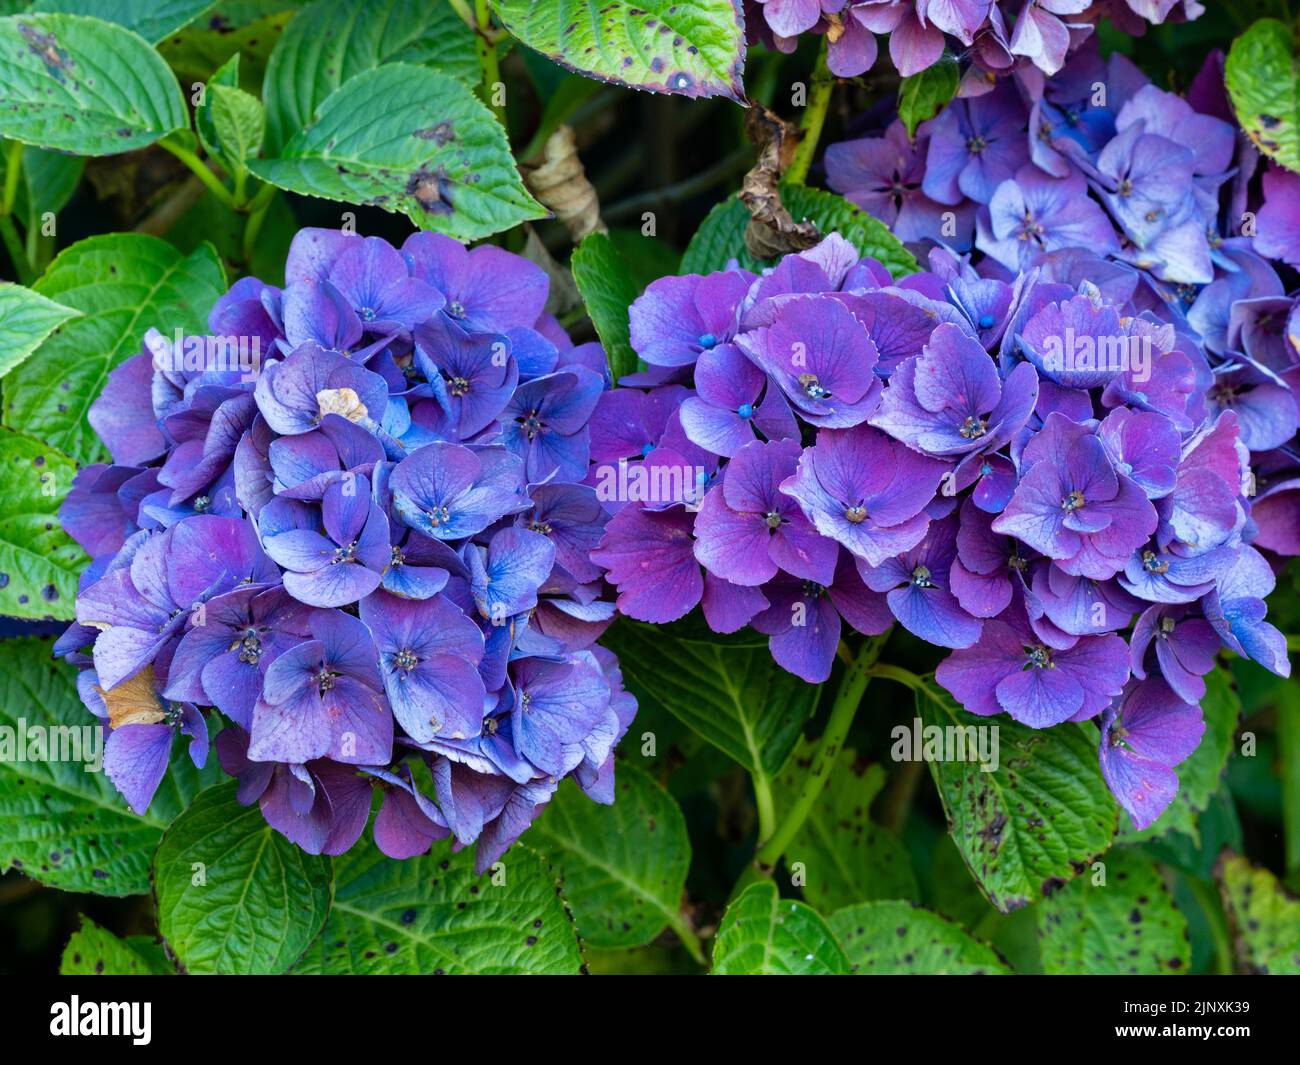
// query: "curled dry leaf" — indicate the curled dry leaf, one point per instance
point(560, 183)
point(772, 230)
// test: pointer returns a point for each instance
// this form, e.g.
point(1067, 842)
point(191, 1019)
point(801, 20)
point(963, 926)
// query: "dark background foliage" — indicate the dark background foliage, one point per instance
point(677, 158)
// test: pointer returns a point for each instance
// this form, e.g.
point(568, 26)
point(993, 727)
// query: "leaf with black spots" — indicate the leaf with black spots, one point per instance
point(691, 49)
point(1125, 923)
point(891, 938)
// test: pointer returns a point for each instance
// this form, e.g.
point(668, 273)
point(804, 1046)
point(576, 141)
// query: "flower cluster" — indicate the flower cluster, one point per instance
point(1095, 157)
point(996, 36)
point(367, 550)
point(1016, 470)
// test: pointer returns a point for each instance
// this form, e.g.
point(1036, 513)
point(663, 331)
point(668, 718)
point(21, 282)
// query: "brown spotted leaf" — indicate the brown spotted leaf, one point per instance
point(687, 47)
point(1034, 822)
point(412, 141)
point(1261, 74)
point(84, 86)
point(1122, 923)
point(432, 915)
point(897, 938)
point(622, 867)
point(1265, 918)
point(843, 855)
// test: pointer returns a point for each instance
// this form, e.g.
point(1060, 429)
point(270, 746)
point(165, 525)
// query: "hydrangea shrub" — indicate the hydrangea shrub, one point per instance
point(444, 530)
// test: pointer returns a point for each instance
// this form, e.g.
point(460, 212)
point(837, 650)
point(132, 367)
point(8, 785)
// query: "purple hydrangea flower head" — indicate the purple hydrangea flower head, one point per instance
point(323, 698)
point(1010, 669)
point(950, 399)
point(917, 589)
point(368, 554)
point(866, 491)
point(1143, 736)
point(333, 556)
point(1073, 506)
point(678, 318)
point(748, 528)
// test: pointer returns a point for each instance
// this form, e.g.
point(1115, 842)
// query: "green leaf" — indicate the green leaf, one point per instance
point(26, 319)
point(47, 183)
point(413, 141)
point(1128, 925)
point(924, 95)
point(432, 914)
point(332, 41)
point(94, 951)
point(1200, 776)
point(199, 50)
point(846, 857)
point(238, 123)
point(607, 288)
point(151, 19)
point(61, 821)
point(729, 691)
point(1265, 918)
point(897, 938)
point(234, 895)
point(695, 49)
point(621, 867)
point(82, 85)
point(763, 934)
point(721, 235)
point(123, 284)
point(1035, 822)
point(39, 562)
point(211, 220)
point(1263, 81)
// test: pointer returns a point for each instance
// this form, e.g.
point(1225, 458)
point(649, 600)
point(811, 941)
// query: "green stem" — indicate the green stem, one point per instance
point(690, 940)
point(766, 805)
point(814, 118)
point(1208, 899)
point(202, 172)
point(852, 686)
point(257, 208)
point(462, 9)
point(14, 245)
point(13, 170)
point(488, 61)
point(899, 675)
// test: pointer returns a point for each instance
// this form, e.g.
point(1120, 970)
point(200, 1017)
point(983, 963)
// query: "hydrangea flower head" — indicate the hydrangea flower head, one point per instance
point(356, 556)
point(1022, 470)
